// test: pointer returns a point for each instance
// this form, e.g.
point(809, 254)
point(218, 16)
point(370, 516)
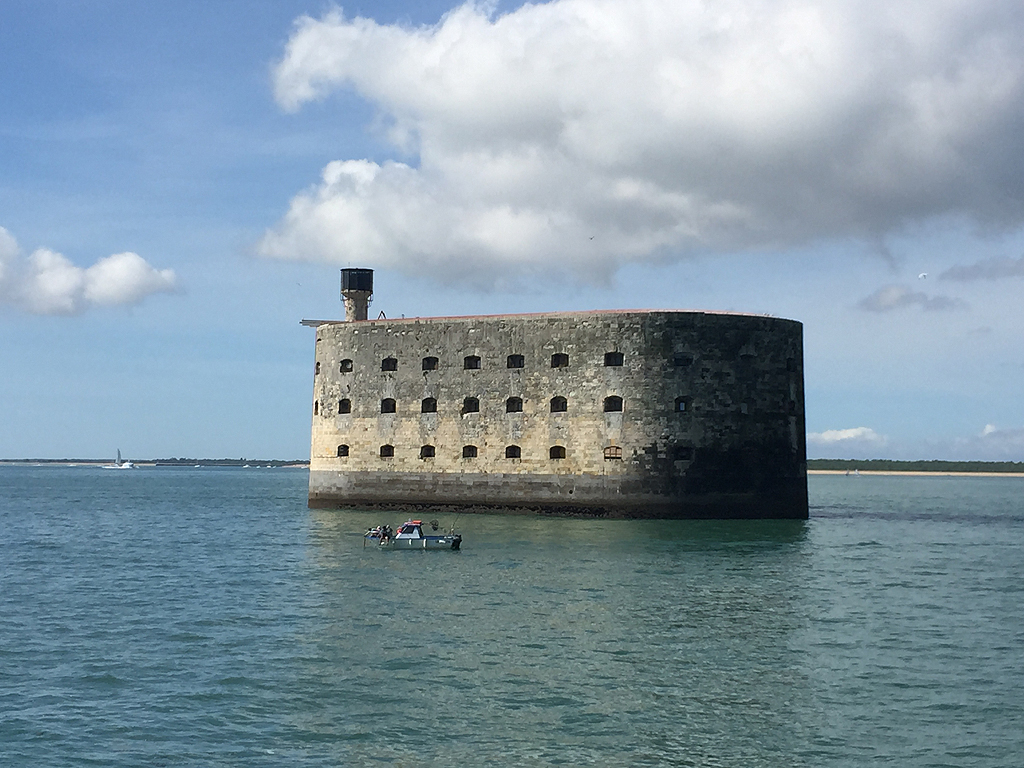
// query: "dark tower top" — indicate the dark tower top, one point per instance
point(357, 280)
point(356, 290)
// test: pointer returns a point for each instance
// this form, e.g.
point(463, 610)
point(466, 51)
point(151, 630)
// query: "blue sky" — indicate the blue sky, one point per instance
point(179, 184)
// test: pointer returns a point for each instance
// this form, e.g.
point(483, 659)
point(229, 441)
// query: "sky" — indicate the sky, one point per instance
point(181, 182)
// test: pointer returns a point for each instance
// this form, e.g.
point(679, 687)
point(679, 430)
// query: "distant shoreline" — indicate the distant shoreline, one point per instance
point(252, 463)
point(927, 466)
point(300, 463)
point(909, 473)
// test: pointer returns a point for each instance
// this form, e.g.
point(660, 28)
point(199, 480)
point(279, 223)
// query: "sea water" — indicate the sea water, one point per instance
point(206, 617)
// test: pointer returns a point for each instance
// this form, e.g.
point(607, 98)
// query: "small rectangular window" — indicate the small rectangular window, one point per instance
point(389, 364)
point(471, 363)
point(430, 363)
point(682, 453)
point(516, 361)
point(346, 366)
point(612, 452)
point(612, 404)
point(469, 451)
point(560, 360)
point(682, 361)
point(613, 358)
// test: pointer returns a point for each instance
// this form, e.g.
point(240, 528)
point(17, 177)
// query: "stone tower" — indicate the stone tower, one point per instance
point(356, 290)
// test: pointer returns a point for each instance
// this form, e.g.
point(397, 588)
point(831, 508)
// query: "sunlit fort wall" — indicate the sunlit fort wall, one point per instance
point(607, 414)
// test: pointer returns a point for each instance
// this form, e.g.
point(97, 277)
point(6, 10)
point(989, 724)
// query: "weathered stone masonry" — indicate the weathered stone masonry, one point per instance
point(711, 421)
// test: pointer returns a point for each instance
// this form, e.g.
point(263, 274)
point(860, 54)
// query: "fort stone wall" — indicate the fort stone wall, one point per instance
point(619, 414)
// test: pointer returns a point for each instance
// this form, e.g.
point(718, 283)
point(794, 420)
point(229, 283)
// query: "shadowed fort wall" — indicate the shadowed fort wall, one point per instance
point(711, 425)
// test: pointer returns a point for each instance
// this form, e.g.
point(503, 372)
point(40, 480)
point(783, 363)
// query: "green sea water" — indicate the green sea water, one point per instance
point(206, 617)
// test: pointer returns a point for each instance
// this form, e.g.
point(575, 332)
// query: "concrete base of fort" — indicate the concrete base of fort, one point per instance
point(562, 495)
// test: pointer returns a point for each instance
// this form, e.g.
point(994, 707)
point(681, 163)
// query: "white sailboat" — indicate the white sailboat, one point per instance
point(119, 463)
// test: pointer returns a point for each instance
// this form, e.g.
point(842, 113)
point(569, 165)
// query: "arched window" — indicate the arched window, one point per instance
point(516, 361)
point(426, 452)
point(560, 360)
point(387, 405)
point(346, 366)
point(387, 451)
point(429, 363)
point(316, 407)
point(513, 452)
point(471, 405)
point(345, 406)
point(389, 364)
point(429, 405)
point(514, 405)
point(471, 363)
point(559, 404)
point(342, 451)
point(613, 452)
point(682, 404)
point(613, 358)
point(469, 451)
point(612, 403)
point(557, 452)
point(316, 368)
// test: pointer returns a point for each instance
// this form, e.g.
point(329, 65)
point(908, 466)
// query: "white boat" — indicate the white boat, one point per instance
point(410, 535)
point(119, 463)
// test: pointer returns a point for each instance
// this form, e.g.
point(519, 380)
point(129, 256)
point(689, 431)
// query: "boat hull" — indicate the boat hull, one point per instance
point(427, 542)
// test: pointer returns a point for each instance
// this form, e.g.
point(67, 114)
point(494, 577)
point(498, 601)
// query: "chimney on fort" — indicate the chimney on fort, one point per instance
point(356, 290)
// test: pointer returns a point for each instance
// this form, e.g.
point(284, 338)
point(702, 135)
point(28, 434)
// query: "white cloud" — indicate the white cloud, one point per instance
point(992, 444)
point(890, 297)
point(47, 283)
point(124, 278)
point(8, 253)
point(853, 443)
point(855, 434)
point(588, 133)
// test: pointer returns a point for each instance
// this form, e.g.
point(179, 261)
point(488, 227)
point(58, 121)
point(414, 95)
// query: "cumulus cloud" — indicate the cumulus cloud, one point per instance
point(853, 443)
point(993, 443)
point(588, 133)
point(890, 297)
point(988, 269)
point(47, 283)
point(855, 434)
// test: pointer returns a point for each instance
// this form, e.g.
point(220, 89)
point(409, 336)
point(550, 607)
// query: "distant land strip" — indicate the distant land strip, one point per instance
point(173, 462)
point(930, 466)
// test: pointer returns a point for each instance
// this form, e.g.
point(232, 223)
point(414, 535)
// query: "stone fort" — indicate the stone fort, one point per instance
point(643, 414)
